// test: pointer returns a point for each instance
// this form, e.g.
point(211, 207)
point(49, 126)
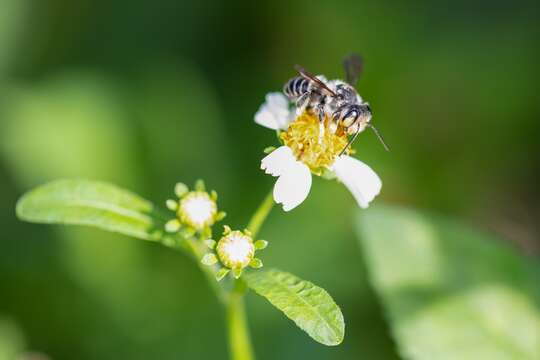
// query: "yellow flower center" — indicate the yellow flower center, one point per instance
point(315, 147)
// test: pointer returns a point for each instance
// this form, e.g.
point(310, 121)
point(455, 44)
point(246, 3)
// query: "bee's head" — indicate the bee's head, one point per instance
point(365, 114)
point(357, 118)
point(368, 108)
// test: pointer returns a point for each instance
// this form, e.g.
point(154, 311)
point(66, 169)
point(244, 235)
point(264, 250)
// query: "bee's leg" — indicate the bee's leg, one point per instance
point(333, 125)
point(302, 101)
point(336, 117)
point(321, 114)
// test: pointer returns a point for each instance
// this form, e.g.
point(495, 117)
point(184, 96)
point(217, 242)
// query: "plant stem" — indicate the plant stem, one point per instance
point(260, 214)
point(198, 251)
point(239, 339)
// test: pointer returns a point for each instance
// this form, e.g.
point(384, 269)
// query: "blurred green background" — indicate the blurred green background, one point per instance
point(145, 94)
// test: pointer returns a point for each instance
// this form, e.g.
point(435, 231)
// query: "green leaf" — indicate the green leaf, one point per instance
point(92, 203)
point(451, 292)
point(309, 306)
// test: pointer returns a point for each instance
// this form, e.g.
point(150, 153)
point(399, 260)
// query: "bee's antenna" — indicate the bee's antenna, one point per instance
point(350, 141)
point(356, 134)
point(378, 136)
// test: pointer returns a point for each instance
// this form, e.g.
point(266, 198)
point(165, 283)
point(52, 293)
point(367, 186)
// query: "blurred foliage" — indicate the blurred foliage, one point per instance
point(139, 94)
point(11, 340)
point(12, 23)
point(451, 292)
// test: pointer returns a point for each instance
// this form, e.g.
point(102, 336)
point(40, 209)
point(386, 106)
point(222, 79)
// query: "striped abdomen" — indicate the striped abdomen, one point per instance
point(296, 87)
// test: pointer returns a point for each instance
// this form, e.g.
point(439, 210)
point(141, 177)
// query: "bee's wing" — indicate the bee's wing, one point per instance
point(353, 65)
point(304, 73)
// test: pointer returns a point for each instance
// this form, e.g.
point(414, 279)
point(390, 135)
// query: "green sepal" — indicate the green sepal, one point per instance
point(328, 174)
point(199, 185)
point(180, 189)
point(172, 226)
point(256, 263)
point(261, 244)
point(269, 149)
point(209, 259)
point(169, 241)
point(237, 273)
point(187, 231)
point(171, 205)
point(211, 244)
point(221, 215)
point(206, 232)
point(221, 273)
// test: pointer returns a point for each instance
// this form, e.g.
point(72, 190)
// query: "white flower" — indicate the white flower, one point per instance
point(305, 151)
point(359, 178)
point(274, 113)
point(294, 177)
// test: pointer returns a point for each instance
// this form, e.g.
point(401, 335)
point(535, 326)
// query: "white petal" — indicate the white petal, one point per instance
point(359, 178)
point(294, 182)
point(278, 161)
point(274, 113)
point(293, 186)
point(277, 100)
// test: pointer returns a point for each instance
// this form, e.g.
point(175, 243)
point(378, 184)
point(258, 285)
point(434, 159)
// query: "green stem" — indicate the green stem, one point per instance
point(239, 339)
point(260, 215)
point(198, 250)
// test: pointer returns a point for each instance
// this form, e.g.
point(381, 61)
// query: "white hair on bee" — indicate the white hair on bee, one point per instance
point(334, 99)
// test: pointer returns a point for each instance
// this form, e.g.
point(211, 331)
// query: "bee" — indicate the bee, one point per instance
point(336, 99)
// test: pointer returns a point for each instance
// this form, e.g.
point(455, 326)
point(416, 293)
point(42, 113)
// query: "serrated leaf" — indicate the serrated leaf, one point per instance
point(309, 306)
point(92, 203)
point(451, 292)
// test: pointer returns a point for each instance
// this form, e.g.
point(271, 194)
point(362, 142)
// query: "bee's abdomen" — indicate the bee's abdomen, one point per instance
point(295, 87)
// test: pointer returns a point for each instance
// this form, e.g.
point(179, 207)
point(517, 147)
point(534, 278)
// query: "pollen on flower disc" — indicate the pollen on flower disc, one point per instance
point(315, 148)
